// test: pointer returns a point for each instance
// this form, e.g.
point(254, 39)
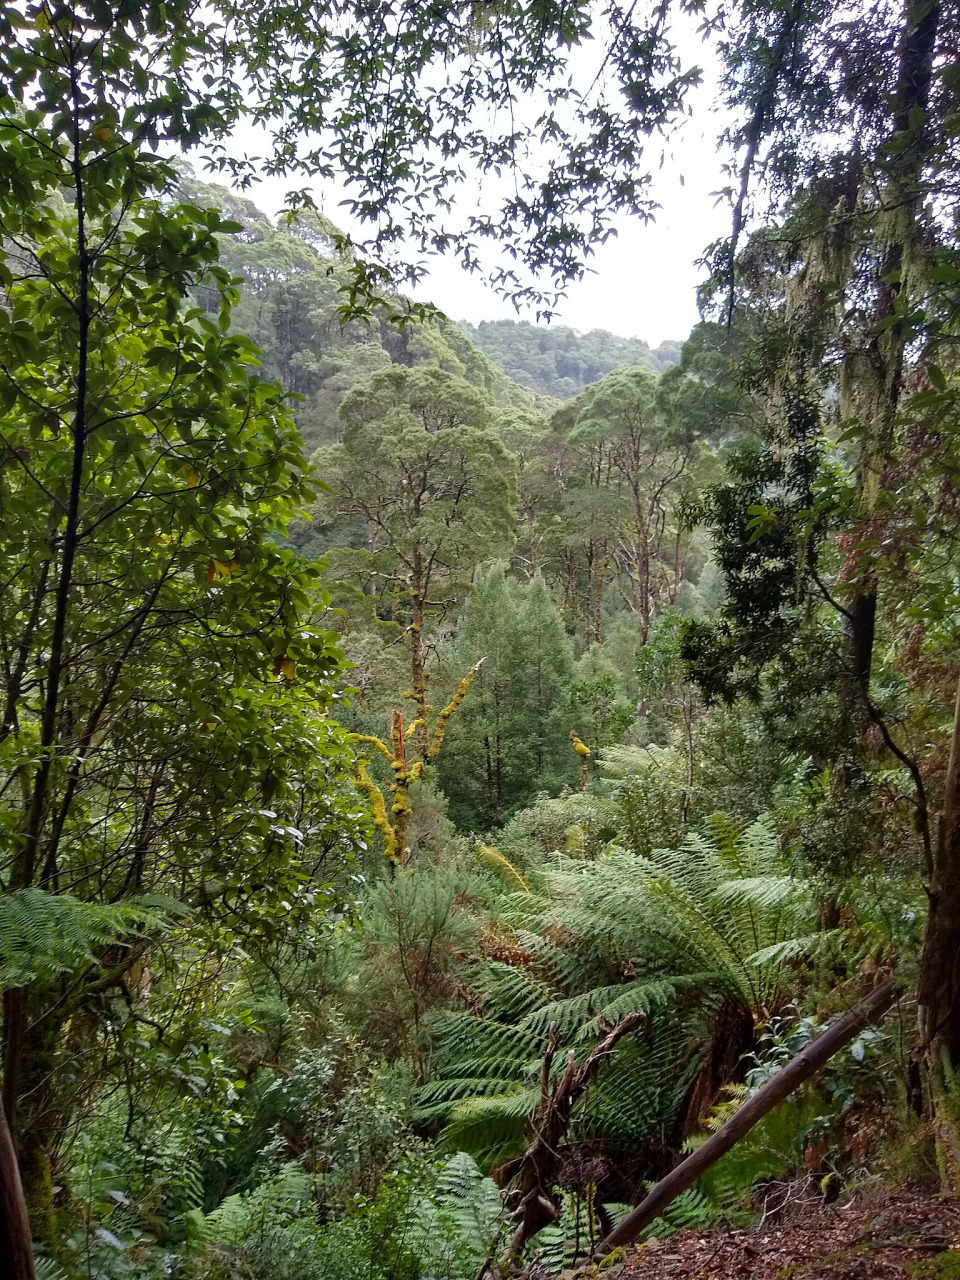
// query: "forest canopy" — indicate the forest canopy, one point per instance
point(449, 772)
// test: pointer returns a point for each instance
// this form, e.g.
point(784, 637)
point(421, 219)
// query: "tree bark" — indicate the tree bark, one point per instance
point(938, 985)
point(16, 1250)
point(801, 1068)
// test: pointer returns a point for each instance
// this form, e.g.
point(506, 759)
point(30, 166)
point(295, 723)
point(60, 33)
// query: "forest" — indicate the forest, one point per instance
point(477, 800)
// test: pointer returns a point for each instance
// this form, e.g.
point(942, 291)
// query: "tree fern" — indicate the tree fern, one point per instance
point(683, 935)
point(643, 1086)
point(42, 934)
point(699, 914)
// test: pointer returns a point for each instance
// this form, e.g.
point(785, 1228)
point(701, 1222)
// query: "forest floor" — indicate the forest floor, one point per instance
point(897, 1236)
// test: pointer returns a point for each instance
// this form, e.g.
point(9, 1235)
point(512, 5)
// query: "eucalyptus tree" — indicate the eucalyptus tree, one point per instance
point(647, 465)
point(421, 468)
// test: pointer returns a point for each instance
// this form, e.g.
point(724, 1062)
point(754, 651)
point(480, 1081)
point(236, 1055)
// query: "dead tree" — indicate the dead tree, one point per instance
point(536, 1170)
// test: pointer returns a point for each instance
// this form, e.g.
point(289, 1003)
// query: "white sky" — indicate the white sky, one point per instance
point(642, 282)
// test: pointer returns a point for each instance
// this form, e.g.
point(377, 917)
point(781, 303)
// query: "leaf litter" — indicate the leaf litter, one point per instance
point(896, 1238)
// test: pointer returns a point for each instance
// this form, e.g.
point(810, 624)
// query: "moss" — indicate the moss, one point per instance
point(942, 1266)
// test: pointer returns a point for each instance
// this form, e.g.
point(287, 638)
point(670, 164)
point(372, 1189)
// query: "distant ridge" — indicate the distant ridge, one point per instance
point(559, 361)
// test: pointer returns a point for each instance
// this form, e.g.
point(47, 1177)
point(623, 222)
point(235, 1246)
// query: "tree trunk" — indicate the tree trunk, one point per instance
point(29, 1100)
point(643, 565)
point(875, 378)
point(417, 668)
point(938, 985)
point(16, 1250)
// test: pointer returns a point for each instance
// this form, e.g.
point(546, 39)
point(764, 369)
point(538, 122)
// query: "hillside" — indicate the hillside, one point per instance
point(288, 305)
point(561, 362)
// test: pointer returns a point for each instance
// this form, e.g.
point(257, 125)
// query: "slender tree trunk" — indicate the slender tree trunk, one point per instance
point(16, 1250)
point(23, 650)
point(417, 667)
point(25, 864)
point(491, 794)
point(938, 987)
point(643, 563)
point(498, 774)
point(677, 564)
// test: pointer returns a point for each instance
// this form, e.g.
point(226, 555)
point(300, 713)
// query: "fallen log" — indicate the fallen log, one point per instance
point(806, 1064)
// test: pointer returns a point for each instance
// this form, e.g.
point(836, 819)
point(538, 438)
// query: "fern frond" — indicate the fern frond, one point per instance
point(492, 1129)
point(43, 934)
point(765, 892)
point(496, 861)
point(454, 1225)
point(691, 1210)
point(512, 990)
point(610, 1003)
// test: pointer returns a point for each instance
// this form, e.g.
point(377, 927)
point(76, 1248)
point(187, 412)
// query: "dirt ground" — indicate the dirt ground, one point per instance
point(900, 1236)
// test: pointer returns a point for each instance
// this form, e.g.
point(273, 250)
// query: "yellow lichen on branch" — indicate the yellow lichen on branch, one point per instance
point(393, 826)
point(441, 728)
point(583, 751)
point(367, 737)
point(379, 810)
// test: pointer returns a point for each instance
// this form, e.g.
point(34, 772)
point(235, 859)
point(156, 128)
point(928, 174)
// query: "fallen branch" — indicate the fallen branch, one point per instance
point(807, 1063)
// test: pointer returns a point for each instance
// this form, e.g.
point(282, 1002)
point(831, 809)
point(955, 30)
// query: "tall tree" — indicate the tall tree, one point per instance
point(421, 467)
point(645, 463)
point(540, 668)
point(477, 770)
point(511, 738)
point(854, 285)
point(164, 666)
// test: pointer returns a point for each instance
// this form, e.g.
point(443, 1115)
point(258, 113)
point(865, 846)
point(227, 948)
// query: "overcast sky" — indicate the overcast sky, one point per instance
point(643, 282)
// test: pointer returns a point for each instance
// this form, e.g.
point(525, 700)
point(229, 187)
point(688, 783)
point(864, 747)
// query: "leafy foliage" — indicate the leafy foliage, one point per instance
point(43, 934)
point(560, 362)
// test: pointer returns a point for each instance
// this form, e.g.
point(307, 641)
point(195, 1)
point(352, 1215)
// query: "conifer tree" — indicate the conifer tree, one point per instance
point(475, 770)
point(539, 670)
point(511, 738)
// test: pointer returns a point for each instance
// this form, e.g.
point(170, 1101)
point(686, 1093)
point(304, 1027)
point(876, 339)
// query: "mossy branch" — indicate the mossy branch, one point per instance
point(378, 808)
point(393, 825)
point(450, 709)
